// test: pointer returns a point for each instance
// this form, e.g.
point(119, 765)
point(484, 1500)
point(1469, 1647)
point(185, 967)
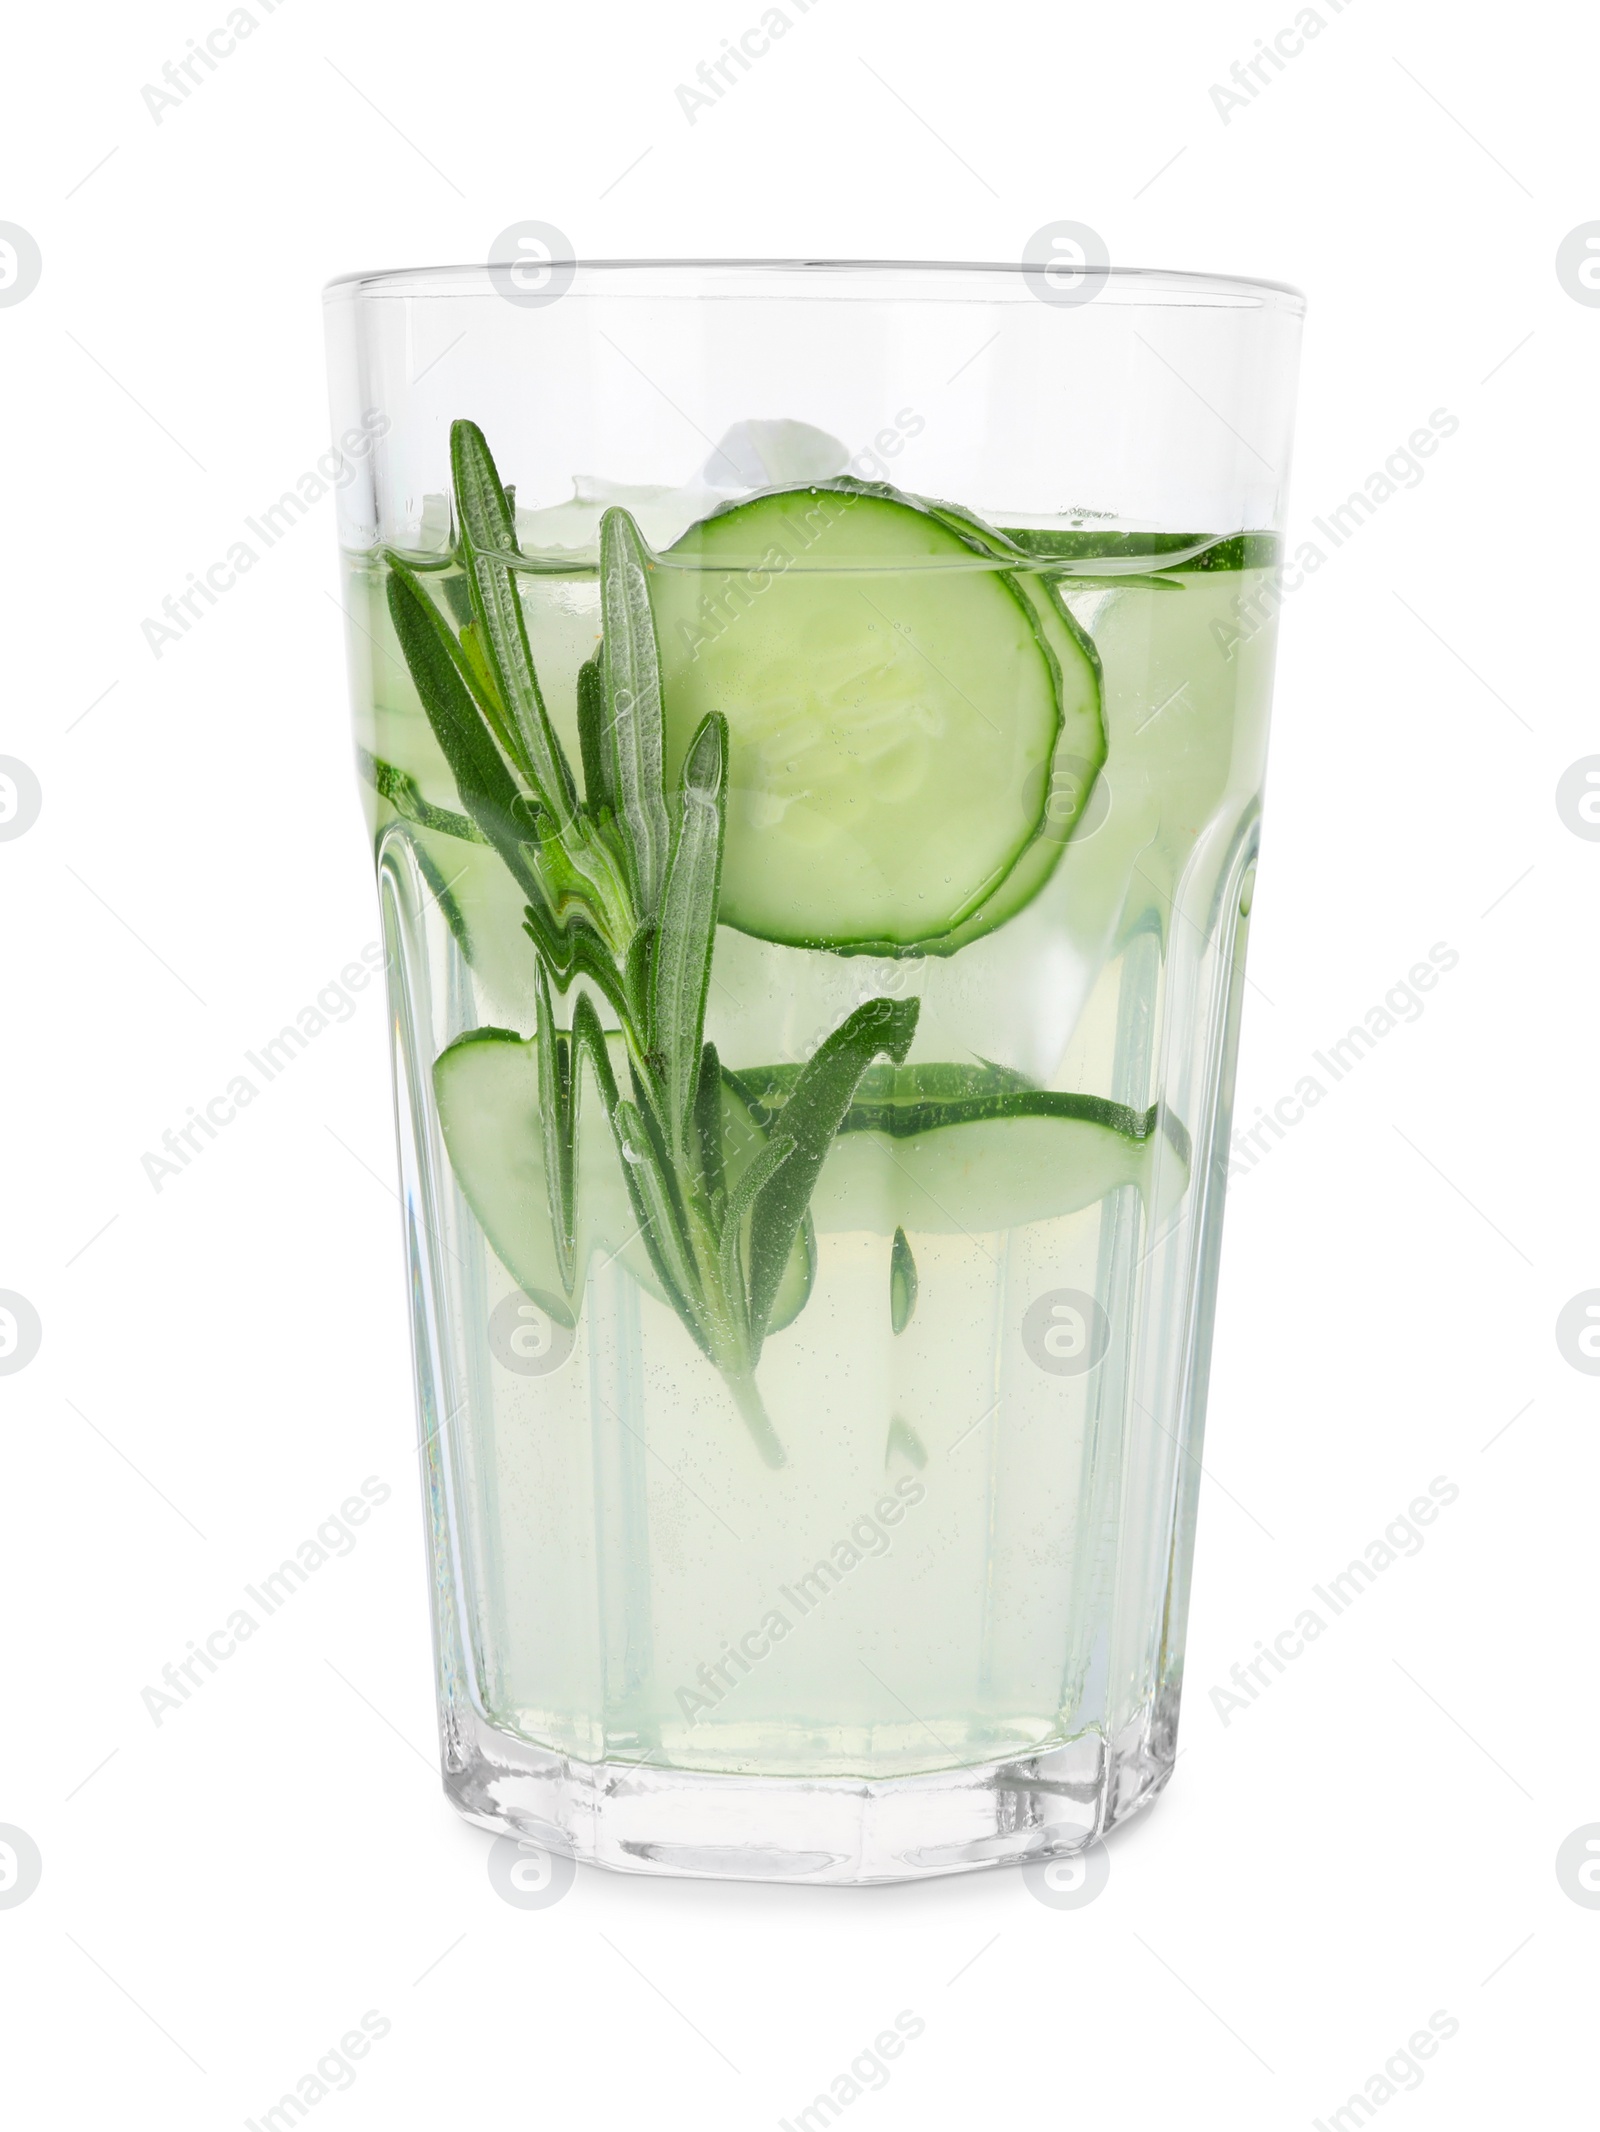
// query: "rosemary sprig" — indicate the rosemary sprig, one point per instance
point(622, 882)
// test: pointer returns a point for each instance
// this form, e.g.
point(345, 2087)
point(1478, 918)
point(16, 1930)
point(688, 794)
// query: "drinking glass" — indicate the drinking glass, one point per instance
point(811, 717)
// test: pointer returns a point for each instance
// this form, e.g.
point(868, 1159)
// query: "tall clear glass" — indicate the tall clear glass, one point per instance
point(812, 719)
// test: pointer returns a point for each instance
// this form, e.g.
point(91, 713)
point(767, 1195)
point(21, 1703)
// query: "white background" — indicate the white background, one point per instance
point(1374, 1838)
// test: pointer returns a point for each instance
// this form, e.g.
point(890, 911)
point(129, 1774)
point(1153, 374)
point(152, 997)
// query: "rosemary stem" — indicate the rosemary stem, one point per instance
point(747, 1398)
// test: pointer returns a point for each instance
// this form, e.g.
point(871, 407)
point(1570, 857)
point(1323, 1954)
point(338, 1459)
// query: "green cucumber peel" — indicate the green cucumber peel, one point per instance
point(1188, 551)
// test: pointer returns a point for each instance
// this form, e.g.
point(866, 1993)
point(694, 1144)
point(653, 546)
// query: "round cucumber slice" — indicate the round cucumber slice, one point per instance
point(895, 705)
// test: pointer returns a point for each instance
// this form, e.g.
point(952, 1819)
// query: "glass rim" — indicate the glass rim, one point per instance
point(1175, 287)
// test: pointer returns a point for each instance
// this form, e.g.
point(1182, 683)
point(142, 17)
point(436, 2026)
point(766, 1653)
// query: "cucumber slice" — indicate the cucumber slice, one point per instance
point(486, 1085)
point(896, 712)
point(953, 1150)
point(975, 1178)
point(1080, 750)
point(935, 1149)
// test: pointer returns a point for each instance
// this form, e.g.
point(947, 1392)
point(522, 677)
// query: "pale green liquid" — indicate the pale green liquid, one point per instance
point(618, 1540)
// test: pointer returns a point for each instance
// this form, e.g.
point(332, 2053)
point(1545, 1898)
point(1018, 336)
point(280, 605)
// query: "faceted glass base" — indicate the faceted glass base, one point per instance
point(831, 1831)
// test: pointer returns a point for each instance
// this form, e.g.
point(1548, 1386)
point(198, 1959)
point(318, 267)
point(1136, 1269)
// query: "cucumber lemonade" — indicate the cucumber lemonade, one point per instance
point(810, 907)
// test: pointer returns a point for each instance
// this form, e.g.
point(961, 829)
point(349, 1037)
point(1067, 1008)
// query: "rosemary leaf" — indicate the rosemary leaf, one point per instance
point(487, 535)
point(687, 937)
point(660, 1221)
point(636, 981)
point(405, 796)
point(762, 1170)
point(487, 788)
point(812, 1116)
point(902, 1282)
point(558, 1119)
point(597, 786)
point(632, 676)
point(708, 1124)
point(576, 950)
